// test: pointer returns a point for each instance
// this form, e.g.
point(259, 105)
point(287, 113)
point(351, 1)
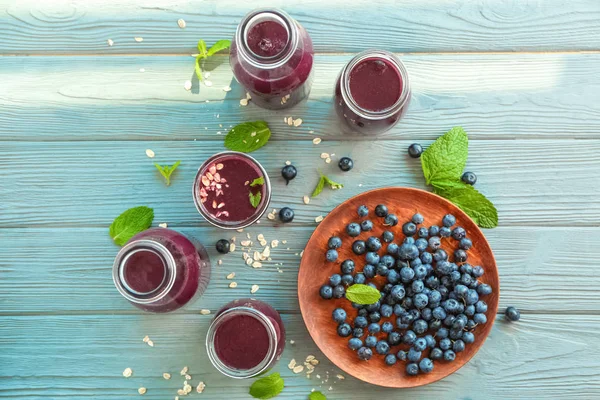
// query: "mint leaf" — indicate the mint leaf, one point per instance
point(333, 185)
point(198, 69)
point(202, 48)
point(166, 171)
point(319, 187)
point(267, 387)
point(220, 45)
point(316, 396)
point(446, 158)
point(468, 199)
point(248, 136)
point(258, 181)
point(362, 294)
point(255, 199)
point(130, 223)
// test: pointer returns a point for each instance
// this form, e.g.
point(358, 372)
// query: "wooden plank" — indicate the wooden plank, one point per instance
point(108, 98)
point(33, 27)
point(36, 361)
point(49, 271)
point(539, 182)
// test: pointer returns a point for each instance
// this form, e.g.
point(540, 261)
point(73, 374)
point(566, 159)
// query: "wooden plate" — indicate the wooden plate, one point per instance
point(315, 271)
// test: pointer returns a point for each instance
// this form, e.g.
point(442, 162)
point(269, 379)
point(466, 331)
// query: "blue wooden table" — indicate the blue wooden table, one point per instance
point(77, 115)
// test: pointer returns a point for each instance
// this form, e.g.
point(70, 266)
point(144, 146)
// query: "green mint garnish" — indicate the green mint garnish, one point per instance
point(130, 223)
point(323, 180)
point(362, 294)
point(267, 387)
point(167, 170)
point(255, 199)
point(316, 396)
point(258, 181)
point(203, 53)
point(248, 136)
point(443, 163)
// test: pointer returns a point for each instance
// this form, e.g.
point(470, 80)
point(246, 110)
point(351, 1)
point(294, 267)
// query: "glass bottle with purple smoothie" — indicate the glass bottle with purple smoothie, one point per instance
point(272, 58)
point(232, 190)
point(161, 270)
point(372, 92)
point(245, 338)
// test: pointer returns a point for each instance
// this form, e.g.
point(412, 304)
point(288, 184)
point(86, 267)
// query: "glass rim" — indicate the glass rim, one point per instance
point(237, 373)
point(260, 211)
point(347, 95)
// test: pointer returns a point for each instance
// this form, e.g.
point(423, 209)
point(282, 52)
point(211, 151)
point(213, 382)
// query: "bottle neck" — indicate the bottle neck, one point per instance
point(276, 16)
point(211, 348)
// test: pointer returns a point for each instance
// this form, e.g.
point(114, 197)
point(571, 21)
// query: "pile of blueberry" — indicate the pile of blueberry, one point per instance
point(430, 302)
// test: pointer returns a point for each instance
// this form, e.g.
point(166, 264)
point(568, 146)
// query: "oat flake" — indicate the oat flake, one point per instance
point(231, 275)
point(200, 387)
point(150, 153)
point(256, 264)
point(316, 140)
point(319, 219)
point(187, 85)
point(127, 373)
point(297, 369)
point(244, 102)
point(227, 89)
point(142, 390)
point(233, 285)
point(150, 343)
point(204, 311)
point(167, 376)
point(292, 363)
point(181, 23)
point(163, 225)
point(146, 339)
point(328, 160)
point(184, 371)
point(306, 199)
point(110, 42)
point(254, 289)
point(207, 83)
point(274, 243)
point(138, 39)
point(297, 122)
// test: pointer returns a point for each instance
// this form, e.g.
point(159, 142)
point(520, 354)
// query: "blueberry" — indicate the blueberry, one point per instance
point(288, 172)
point(331, 255)
point(409, 240)
point(390, 220)
point(414, 355)
point(353, 229)
point(421, 244)
point(223, 246)
point(435, 296)
point(382, 347)
point(358, 332)
point(459, 233)
point(442, 333)
point(387, 327)
point(478, 271)
point(466, 279)
point(360, 322)
point(431, 342)
point(458, 346)
point(366, 225)
point(392, 248)
point(460, 255)
point(347, 279)
point(439, 313)
point(408, 252)
point(346, 164)
point(423, 232)
point(420, 272)
point(470, 310)
point(371, 341)
point(369, 271)
point(432, 282)
point(347, 266)
point(339, 315)
point(448, 220)
point(468, 338)
point(461, 290)
point(375, 306)
point(471, 324)
point(440, 255)
point(481, 306)
point(374, 328)
point(426, 365)
point(417, 286)
point(449, 355)
point(387, 236)
point(393, 276)
point(375, 316)
point(381, 210)
point(436, 354)
point(420, 300)
point(407, 274)
point(373, 243)
point(364, 353)
point(339, 291)
point(409, 229)
point(355, 343)
point(465, 243)
point(420, 326)
point(435, 243)
point(382, 270)
point(386, 310)
point(455, 276)
point(417, 219)
point(415, 150)
point(420, 344)
point(484, 289)
point(334, 242)
point(344, 330)
point(399, 310)
point(335, 279)
point(426, 257)
point(460, 322)
point(445, 232)
point(445, 344)
point(469, 178)
point(326, 292)
point(286, 215)
point(363, 211)
point(412, 369)
point(409, 338)
point(359, 247)
point(390, 359)
point(480, 318)
point(402, 355)
point(450, 305)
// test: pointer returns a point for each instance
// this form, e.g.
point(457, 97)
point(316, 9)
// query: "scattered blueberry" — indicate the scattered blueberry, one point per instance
point(347, 266)
point(286, 214)
point(409, 229)
point(359, 247)
point(288, 172)
point(458, 346)
point(420, 344)
point(335, 280)
point(346, 164)
point(436, 354)
point(353, 229)
point(358, 332)
point(414, 355)
point(360, 279)
point(331, 255)
point(360, 322)
point(339, 315)
point(468, 338)
point(334, 242)
point(390, 359)
point(223, 246)
point(387, 236)
point(369, 271)
point(512, 314)
point(469, 178)
point(465, 243)
point(415, 150)
point(347, 279)
point(381, 210)
point(344, 330)
point(326, 292)
point(448, 220)
point(459, 233)
point(479, 318)
point(387, 327)
point(363, 211)
point(373, 243)
point(339, 291)
point(449, 355)
point(355, 343)
point(366, 225)
point(364, 353)
point(382, 347)
point(417, 219)
point(460, 255)
point(374, 328)
point(371, 341)
point(390, 220)
point(445, 231)
point(484, 289)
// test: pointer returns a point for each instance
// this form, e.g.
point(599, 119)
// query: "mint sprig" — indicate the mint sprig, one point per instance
point(316, 396)
point(255, 199)
point(267, 387)
point(248, 136)
point(443, 164)
point(167, 170)
point(203, 53)
point(362, 294)
point(258, 181)
point(324, 180)
point(130, 223)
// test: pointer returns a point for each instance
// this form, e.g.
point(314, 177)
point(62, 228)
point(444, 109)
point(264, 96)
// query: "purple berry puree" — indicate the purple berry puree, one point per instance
point(242, 342)
point(375, 84)
point(224, 188)
point(144, 271)
point(267, 38)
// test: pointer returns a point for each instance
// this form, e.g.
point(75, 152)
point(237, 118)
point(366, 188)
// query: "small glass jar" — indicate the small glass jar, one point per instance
point(372, 92)
point(272, 58)
point(245, 338)
point(229, 192)
point(161, 270)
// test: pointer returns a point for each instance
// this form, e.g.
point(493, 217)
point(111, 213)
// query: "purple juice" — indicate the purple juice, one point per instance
point(232, 190)
point(161, 270)
point(272, 57)
point(245, 338)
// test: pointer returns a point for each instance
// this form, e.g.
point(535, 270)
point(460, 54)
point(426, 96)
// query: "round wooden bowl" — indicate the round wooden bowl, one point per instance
point(315, 271)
